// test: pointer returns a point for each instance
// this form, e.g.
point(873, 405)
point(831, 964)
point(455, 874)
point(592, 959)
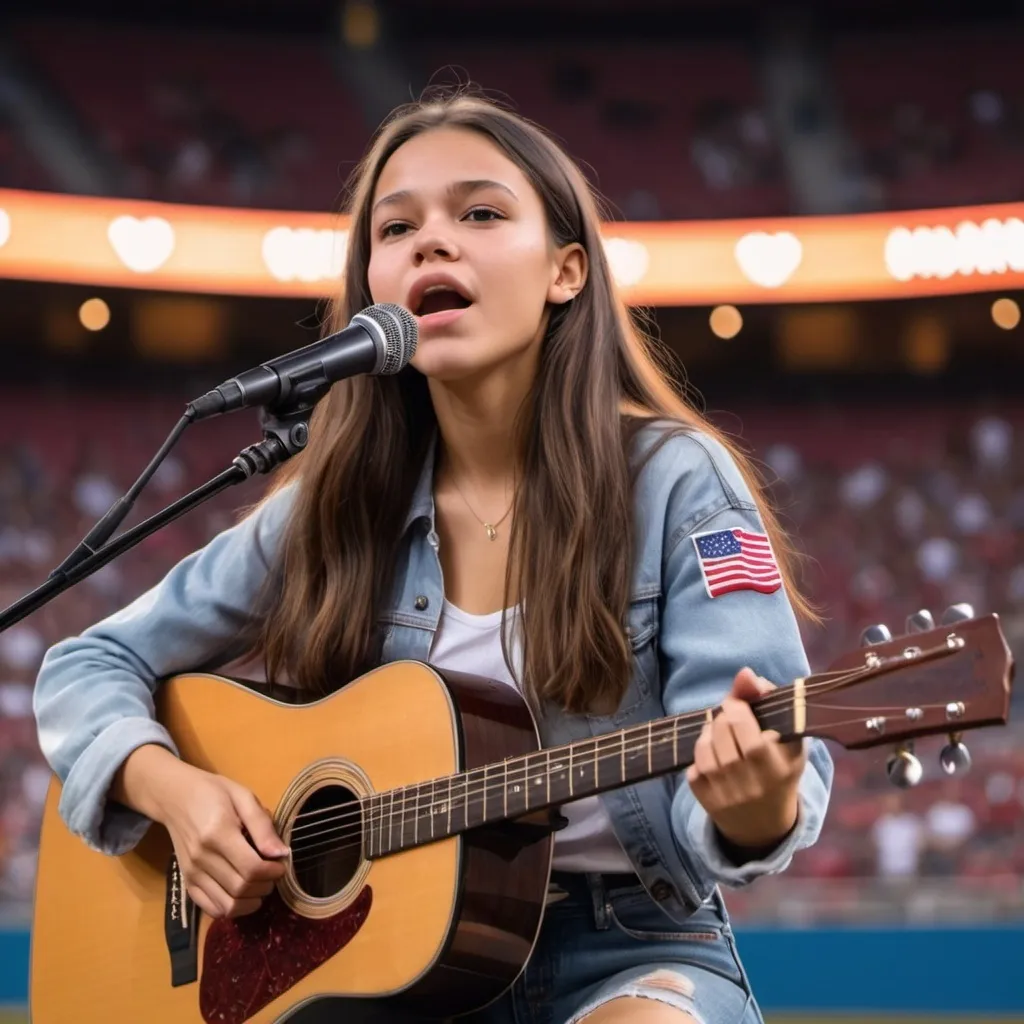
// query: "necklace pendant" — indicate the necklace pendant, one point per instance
point(491, 531)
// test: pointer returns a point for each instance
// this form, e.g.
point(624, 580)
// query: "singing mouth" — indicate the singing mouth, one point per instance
point(438, 295)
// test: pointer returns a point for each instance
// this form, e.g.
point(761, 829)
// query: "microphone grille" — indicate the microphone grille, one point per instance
point(400, 334)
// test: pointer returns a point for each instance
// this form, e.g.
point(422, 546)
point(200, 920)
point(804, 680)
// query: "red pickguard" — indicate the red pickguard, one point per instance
point(250, 961)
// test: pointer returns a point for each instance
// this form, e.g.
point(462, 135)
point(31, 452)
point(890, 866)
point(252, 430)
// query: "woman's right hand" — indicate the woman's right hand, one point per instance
point(224, 873)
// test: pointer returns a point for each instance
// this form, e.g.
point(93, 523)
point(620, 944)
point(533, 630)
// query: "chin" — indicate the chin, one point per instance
point(448, 360)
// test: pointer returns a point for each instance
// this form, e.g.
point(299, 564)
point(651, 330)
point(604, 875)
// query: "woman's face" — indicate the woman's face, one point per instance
point(460, 238)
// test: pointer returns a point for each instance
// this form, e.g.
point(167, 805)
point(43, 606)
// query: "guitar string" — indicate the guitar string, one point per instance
point(358, 843)
point(339, 832)
point(781, 700)
point(413, 792)
point(496, 781)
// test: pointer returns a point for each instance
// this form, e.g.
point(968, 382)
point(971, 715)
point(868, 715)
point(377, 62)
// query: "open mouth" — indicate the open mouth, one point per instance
point(439, 299)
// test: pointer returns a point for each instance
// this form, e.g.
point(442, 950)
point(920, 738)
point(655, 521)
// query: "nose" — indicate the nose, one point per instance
point(434, 242)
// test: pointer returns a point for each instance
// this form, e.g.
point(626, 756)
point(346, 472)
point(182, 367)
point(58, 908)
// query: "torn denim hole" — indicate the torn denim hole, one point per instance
point(663, 985)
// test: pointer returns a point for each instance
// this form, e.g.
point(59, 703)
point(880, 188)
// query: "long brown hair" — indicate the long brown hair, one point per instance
point(571, 541)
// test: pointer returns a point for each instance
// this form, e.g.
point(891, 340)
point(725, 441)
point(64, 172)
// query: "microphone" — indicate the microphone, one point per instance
point(380, 339)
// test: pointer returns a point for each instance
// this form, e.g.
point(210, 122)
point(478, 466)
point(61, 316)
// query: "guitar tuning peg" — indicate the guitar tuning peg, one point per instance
point(877, 634)
point(957, 613)
point(920, 622)
point(903, 767)
point(955, 758)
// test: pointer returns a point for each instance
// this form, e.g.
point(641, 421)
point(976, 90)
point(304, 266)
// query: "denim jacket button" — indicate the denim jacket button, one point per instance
point(421, 602)
point(661, 890)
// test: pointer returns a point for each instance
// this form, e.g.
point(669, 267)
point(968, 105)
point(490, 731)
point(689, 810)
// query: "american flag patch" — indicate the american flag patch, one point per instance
point(736, 560)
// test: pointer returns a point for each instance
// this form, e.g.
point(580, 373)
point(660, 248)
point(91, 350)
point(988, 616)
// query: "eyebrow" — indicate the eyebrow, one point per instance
point(456, 189)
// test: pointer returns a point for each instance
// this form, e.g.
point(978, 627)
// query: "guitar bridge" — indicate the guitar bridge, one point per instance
point(180, 928)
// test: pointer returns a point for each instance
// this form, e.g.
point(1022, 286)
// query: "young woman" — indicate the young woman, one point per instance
point(530, 501)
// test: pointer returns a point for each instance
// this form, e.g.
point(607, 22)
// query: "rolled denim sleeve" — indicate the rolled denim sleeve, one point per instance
point(704, 641)
point(94, 695)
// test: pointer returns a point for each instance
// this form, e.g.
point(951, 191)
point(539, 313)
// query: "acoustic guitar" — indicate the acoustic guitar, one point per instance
point(417, 805)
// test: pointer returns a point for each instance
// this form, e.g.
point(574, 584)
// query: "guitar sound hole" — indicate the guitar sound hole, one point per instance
point(327, 841)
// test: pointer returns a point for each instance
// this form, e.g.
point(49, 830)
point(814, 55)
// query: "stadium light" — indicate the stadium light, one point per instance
point(94, 314)
point(726, 322)
point(1005, 314)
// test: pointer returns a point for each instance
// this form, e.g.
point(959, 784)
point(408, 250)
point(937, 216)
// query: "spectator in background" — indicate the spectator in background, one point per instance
point(899, 837)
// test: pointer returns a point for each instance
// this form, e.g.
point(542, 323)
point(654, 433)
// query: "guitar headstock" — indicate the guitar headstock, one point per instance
point(934, 680)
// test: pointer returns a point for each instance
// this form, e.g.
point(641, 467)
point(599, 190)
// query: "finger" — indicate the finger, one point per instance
point(792, 752)
point(209, 896)
point(726, 748)
point(223, 904)
point(247, 862)
point(241, 908)
point(232, 882)
point(704, 753)
point(746, 732)
point(203, 902)
point(748, 685)
point(257, 823)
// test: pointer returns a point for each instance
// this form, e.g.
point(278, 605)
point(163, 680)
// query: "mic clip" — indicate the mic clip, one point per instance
point(285, 433)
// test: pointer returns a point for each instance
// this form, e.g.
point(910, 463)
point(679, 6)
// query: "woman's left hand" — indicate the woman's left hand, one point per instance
point(743, 776)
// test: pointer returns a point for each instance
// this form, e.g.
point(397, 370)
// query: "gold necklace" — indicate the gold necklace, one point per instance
point(491, 528)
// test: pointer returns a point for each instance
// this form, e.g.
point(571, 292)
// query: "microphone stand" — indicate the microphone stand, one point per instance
point(285, 433)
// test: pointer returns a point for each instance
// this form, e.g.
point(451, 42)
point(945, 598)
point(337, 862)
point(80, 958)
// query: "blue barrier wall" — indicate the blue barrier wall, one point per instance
point(895, 970)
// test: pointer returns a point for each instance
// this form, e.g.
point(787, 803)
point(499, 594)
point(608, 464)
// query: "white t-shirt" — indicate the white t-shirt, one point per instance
point(472, 644)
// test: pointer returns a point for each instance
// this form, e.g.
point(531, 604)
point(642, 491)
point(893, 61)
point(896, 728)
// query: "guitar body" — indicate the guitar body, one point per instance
point(434, 930)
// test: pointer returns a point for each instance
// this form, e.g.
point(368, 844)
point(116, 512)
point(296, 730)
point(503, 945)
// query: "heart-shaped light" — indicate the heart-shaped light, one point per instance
point(142, 245)
point(305, 254)
point(5, 227)
point(769, 260)
point(628, 260)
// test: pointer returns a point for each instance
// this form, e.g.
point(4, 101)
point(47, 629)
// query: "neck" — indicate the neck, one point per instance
point(476, 422)
point(519, 786)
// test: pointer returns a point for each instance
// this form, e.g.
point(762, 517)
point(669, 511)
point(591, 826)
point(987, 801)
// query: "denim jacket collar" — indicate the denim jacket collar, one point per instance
point(422, 504)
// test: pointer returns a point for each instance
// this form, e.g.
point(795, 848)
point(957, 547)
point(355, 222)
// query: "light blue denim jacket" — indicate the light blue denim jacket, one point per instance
point(94, 695)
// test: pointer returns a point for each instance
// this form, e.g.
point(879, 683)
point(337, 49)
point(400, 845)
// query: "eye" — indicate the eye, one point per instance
point(483, 214)
point(393, 229)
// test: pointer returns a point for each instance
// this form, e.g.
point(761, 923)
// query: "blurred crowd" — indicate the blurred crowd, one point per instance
point(931, 118)
point(914, 513)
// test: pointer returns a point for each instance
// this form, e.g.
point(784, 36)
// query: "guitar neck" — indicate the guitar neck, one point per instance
point(428, 811)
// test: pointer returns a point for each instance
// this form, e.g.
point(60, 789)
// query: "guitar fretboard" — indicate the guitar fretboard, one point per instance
point(428, 811)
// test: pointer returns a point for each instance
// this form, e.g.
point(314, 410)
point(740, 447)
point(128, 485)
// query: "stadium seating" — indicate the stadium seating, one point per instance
point(938, 115)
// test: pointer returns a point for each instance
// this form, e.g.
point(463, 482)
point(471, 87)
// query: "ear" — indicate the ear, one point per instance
point(569, 274)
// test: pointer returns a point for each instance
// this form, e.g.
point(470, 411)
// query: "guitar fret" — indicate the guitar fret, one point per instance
point(449, 826)
point(650, 748)
point(570, 768)
point(505, 788)
point(391, 821)
point(379, 823)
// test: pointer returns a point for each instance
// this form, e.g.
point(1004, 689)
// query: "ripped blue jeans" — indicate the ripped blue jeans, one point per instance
point(606, 938)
